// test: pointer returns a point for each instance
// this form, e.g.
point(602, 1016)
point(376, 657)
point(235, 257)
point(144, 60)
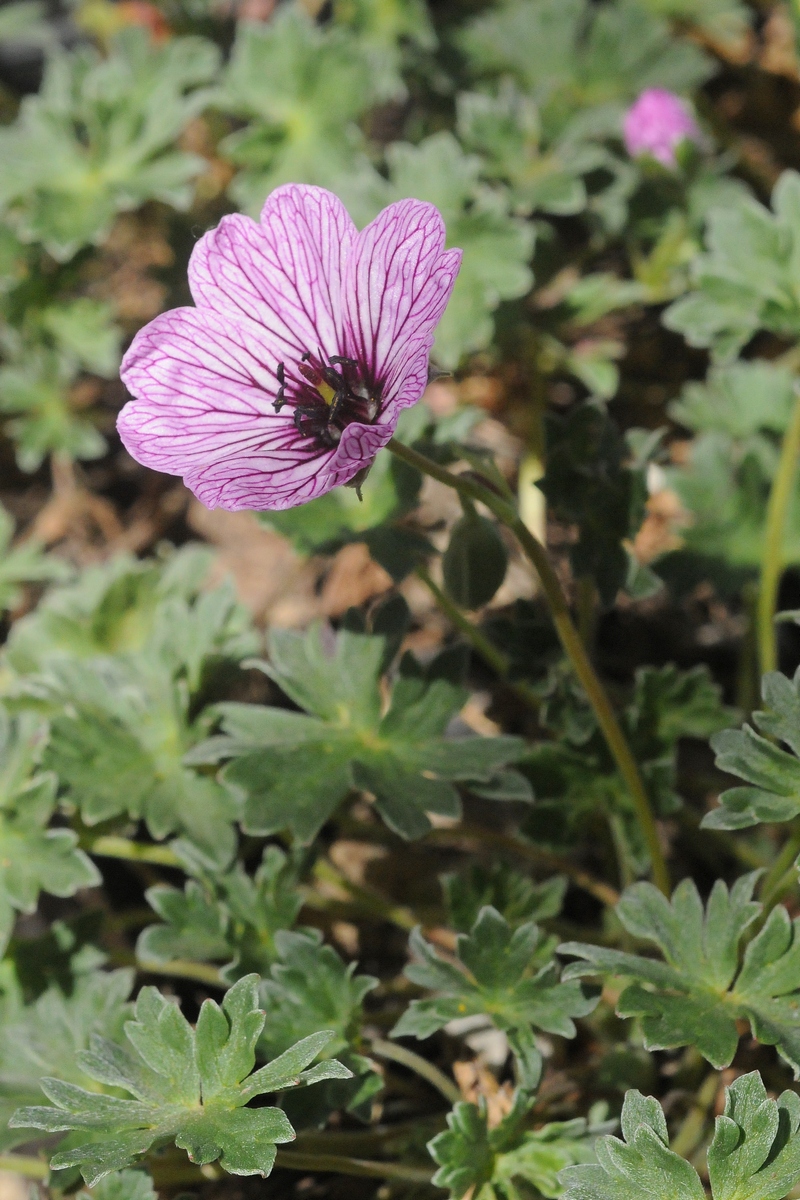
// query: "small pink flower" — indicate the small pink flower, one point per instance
point(656, 124)
point(307, 341)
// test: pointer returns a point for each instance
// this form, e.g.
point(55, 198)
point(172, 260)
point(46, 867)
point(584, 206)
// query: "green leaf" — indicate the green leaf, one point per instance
point(771, 772)
point(704, 985)
point(296, 769)
point(507, 975)
point(302, 88)
point(123, 1185)
point(385, 30)
point(497, 246)
point(24, 563)
point(725, 22)
point(45, 1037)
point(517, 898)
point(475, 561)
point(227, 917)
point(309, 987)
point(755, 1153)
point(99, 139)
point(188, 1086)
point(470, 1154)
point(642, 1167)
point(747, 280)
point(739, 400)
point(33, 858)
point(574, 56)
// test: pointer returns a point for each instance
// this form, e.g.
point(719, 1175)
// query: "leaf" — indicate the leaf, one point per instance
point(384, 32)
point(99, 139)
point(120, 730)
point(475, 561)
point(123, 1185)
point(24, 563)
point(228, 917)
point(642, 1167)
point(309, 987)
point(510, 976)
point(296, 769)
point(572, 56)
point(44, 1038)
point(576, 781)
point(472, 1154)
point(770, 771)
point(302, 88)
point(747, 280)
point(188, 1086)
point(35, 392)
point(704, 985)
point(33, 858)
point(497, 246)
point(755, 1153)
point(517, 898)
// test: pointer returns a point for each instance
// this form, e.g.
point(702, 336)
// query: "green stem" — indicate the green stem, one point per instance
point(29, 1167)
point(570, 640)
point(774, 881)
point(772, 560)
point(120, 847)
point(691, 1131)
point(419, 1065)
point(180, 968)
point(340, 1164)
point(480, 643)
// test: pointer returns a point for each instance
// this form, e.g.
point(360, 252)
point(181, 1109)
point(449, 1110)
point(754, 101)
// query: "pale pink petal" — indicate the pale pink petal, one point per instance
point(397, 281)
point(284, 273)
point(202, 411)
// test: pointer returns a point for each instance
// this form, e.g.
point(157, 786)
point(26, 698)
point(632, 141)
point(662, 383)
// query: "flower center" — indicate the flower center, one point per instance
point(326, 397)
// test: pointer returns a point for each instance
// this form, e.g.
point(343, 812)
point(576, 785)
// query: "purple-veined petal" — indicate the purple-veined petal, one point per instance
point(202, 412)
point(284, 273)
point(397, 281)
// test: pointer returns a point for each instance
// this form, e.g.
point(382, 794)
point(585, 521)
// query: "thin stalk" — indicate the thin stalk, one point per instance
point(690, 1134)
point(29, 1167)
point(120, 847)
point(480, 643)
point(419, 1065)
point(774, 879)
point(180, 968)
point(569, 637)
point(601, 891)
point(340, 1164)
point(772, 560)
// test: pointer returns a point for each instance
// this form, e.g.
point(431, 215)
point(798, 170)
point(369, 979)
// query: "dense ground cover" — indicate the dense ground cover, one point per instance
point(440, 833)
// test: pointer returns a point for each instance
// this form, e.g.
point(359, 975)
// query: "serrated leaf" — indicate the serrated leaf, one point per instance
point(705, 984)
point(98, 139)
point(747, 279)
point(123, 1185)
point(24, 563)
point(296, 769)
point(507, 975)
point(516, 897)
point(189, 1086)
point(33, 857)
point(642, 1167)
point(302, 89)
point(43, 1038)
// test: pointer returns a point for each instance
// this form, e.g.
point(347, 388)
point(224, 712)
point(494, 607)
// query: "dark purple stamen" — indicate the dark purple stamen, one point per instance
point(315, 415)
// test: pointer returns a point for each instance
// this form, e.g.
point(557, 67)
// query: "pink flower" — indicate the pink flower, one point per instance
point(307, 341)
point(656, 124)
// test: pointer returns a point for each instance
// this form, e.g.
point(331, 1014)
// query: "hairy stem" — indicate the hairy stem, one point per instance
point(570, 640)
point(774, 884)
point(340, 1164)
point(27, 1166)
point(772, 559)
point(419, 1065)
point(479, 642)
point(120, 847)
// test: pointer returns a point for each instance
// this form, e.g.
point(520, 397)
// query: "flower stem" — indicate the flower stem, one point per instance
point(340, 1164)
point(775, 881)
point(120, 847)
point(419, 1065)
point(29, 1167)
point(570, 640)
point(772, 559)
point(479, 642)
